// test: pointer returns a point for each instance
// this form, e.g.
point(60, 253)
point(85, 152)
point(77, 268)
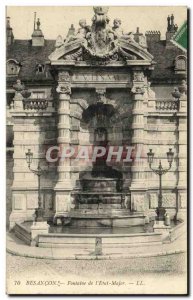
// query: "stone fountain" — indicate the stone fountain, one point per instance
point(100, 200)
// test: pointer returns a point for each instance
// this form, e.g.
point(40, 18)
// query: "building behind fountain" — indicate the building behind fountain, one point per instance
point(93, 89)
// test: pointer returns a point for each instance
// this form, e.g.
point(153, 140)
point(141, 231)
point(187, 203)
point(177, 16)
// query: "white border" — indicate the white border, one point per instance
point(4, 3)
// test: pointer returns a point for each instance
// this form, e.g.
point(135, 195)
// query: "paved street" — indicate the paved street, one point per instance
point(146, 271)
point(172, 263)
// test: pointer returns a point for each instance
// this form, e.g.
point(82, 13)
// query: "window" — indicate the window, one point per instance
point(40, 69)
point(180, 64)
point(13, 67)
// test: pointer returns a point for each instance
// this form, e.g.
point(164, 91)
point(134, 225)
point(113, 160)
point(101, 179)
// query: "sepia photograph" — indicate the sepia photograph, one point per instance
point(96, 150)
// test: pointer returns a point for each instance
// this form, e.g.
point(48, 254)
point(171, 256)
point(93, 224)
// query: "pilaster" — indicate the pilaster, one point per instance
point(63, 186)
point(138, 175)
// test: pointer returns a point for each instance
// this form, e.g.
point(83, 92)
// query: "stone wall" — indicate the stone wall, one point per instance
point(140, 120)
point(9, 182)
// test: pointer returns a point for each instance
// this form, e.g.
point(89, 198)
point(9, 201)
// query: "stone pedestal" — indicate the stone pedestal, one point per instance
point(36, 229)
point(160, 227)
point(98, 246)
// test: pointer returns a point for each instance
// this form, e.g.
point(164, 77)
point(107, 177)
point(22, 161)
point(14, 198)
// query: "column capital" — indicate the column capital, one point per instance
point(64, 88)
point(138, 88)
point(138, 82)
point(138, 76)
point(64, 83)
point(64, 76)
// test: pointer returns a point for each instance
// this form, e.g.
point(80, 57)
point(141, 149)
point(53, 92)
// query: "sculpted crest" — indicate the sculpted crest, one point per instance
point(100, 42)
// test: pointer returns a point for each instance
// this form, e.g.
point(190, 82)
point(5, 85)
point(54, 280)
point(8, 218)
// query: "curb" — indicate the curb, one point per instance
point(94, 257)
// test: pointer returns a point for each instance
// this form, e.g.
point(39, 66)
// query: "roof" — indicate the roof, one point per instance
point(29, 56)
point(164, 57)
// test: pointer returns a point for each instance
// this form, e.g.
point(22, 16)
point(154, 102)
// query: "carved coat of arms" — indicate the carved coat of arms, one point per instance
point(100, 39)
point(100, 42)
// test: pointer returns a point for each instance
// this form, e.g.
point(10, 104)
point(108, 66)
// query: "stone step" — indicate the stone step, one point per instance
point(100, 212)
point(94, 198)
point(101, 206)
point(89, 201)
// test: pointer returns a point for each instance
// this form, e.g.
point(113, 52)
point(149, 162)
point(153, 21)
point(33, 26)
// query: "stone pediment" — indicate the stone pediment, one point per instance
point(78, 51)
point(101, 43)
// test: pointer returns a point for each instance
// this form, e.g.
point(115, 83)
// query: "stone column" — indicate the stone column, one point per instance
point(138, 179)
point(63, 186)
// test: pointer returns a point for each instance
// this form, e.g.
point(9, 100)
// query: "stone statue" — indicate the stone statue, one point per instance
point(118, 32)
point(101, 37)
point(100, 43)
point(59, 41)
point(143, 41)
point(81, 32)
point(183, 87)
point(18, 86)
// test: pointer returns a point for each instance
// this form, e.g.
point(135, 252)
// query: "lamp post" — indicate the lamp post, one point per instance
point(39, 211)
point(160, 210)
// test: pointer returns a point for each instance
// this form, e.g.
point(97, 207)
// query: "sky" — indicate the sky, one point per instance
point(56, 20)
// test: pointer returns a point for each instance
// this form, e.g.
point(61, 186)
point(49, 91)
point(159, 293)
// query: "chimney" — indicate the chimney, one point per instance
point(137, 35)
point(37, 35)
point(153, 36)
point(71, 31)
point(140, 38)
point(171, 29)
point(9, 33)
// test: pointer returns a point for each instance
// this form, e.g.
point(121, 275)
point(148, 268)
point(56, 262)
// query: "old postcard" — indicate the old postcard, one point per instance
point(96, 150)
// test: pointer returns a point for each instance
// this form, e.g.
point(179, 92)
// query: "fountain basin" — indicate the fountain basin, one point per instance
point(85, 238)
point(57, 238)
point(89, 220)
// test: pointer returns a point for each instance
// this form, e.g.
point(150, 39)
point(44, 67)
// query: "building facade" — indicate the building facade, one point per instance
point(98, 87)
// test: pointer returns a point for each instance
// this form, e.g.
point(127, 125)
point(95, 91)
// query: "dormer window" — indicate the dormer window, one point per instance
point(13, 67)
point(180, 64)
point(40, 69)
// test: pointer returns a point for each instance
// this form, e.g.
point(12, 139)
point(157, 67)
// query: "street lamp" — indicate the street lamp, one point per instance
point(160, 211)
point(39, 211)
